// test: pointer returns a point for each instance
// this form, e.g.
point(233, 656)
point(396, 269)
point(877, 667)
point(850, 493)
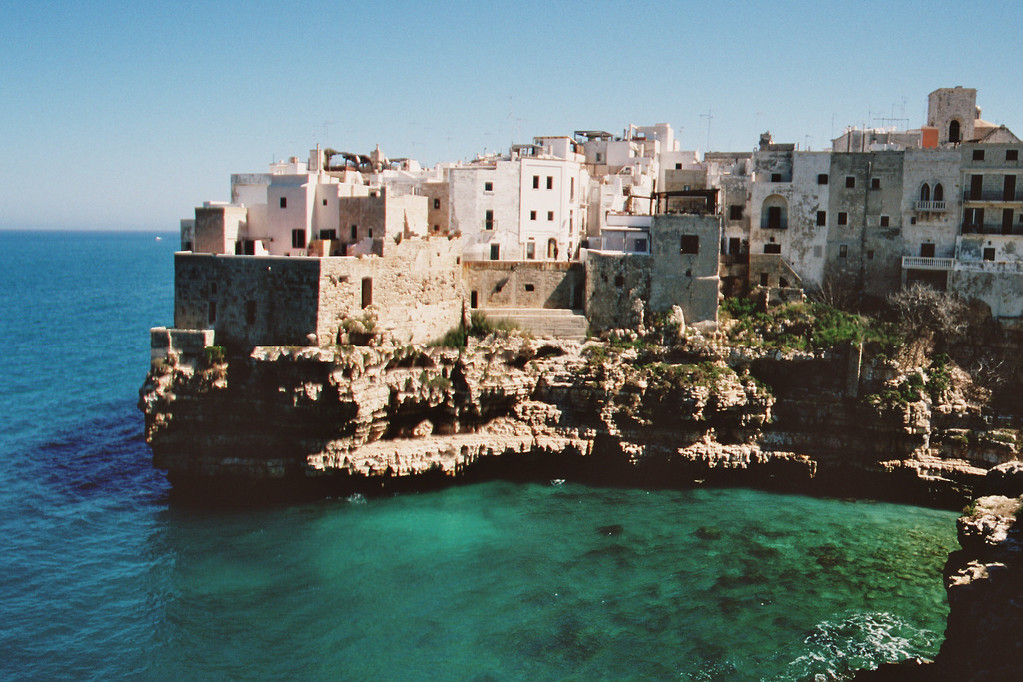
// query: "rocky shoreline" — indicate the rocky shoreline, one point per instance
point(312, 422)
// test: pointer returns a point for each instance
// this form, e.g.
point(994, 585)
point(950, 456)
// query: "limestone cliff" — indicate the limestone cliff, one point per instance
point(364, 417)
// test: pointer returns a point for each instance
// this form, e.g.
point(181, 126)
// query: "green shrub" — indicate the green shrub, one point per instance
point(214, 355)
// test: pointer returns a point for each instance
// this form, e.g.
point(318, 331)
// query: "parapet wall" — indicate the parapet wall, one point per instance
point(525, 284)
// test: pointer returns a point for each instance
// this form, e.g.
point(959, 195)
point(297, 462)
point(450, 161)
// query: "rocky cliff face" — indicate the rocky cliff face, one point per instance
point(364, 417)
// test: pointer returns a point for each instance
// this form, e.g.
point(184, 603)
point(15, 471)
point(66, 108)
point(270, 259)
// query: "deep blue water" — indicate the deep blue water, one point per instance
point(102, 578)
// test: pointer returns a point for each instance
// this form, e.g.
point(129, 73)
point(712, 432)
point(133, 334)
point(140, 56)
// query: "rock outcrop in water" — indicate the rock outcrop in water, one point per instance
point(361, 418)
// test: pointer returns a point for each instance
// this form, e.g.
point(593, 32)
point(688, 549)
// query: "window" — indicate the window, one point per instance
point(298, 239)
point(550, 182)
point(925, 192)
point(843, 218)
point(495, 252)
point(843, 251)
point(678, 166)
point(978, 154)
point(571, 189)
point(619, 281)
point(1012, 155)
point(488, 220)
point(763, 279)
point(324, 202)
point(989, 254)
point(772, 248)
point(536, 182)
point(436, 203)
point(774, 217)
point(284, 202)
point(532, 215)
point(640, 246)
point(822, 218)
point(211, 312)
point(735, 212)
point(250, 312)
point(822, 179)
point(488, 187)
point(690, 244)
point(369, 233)
point(885, 221)
point(328, 234)
point(775, 177)
point(550, 216)
point(976, 186)
point(367, 292)
point(870, 254)
point(530, 250)
point(529, 287)
point(436, 228)
point(939, 192)
point(927, 250)
point(875, 183)
point(953, 131)
point(850, 181)
point(600, 157)
point(213, 289)
point(474, 299)
point(355, 233)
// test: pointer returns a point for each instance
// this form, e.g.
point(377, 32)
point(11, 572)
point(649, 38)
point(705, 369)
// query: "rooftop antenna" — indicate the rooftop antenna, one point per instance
point(707, 116)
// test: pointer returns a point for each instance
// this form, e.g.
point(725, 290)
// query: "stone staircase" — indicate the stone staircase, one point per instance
point(553, 323)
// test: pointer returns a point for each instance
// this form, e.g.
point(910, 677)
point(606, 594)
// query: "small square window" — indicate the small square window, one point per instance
point(1012, 155)
point(532, 215)
point(875, 183)
point(870, 255)
point(324, 202)
point(735, 212)
point(850, 181)
point(843, 218)
point(822, 179)
point(284, 202)
point(843, 251)
point(550, 215)
point(822, 218)
point(978, 154)
point(529, 287)
point(885, 221)
point(775, 177)
point(619, 281)
point(678, 166)
point(690, 244)
point(550, 182)
point(488, 187)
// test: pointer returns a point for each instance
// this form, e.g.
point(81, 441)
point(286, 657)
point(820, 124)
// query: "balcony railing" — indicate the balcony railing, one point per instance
point(992, 196)
point(922, 263)
point(1009, 266)
point(931, 206)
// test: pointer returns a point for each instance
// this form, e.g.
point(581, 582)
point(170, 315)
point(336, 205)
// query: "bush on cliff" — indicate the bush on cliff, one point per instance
point(479, 328)
point(800, 326)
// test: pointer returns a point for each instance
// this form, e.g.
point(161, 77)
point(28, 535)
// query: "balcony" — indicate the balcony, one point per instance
point(996, 266)
point(993, 196)
point(921, 263)
point(930, 206)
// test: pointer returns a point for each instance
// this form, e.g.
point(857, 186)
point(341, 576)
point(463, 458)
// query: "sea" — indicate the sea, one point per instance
point(104, 577)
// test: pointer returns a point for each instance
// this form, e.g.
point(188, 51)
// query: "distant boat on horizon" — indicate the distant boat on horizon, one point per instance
point(159, 239)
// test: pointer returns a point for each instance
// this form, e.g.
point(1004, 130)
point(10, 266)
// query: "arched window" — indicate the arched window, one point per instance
point(774, 213)
point(925, 192)
point(953, 131)
point(939, 193)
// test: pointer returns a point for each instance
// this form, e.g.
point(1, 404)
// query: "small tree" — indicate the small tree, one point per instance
point(921, 311)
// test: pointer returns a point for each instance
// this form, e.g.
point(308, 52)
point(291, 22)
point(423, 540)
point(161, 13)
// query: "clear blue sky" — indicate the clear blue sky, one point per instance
point(129, 114)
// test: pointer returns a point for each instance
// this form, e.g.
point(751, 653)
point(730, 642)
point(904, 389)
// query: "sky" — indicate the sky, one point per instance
point(127, 115)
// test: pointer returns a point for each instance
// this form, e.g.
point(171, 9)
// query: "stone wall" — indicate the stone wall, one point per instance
point(688, 280)
point(414, 294)
point(525, 284)
point(1003, 292)
point(247, 300)
point(617, 289)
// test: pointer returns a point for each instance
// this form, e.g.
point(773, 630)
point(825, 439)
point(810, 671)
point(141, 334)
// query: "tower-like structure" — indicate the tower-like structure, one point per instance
point(953, 112)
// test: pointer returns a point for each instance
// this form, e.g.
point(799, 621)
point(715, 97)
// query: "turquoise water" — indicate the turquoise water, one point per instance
point(102, 578)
